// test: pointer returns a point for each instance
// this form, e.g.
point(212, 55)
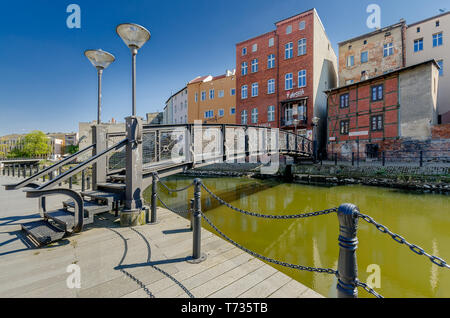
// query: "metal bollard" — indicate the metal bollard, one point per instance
point(197, 256)
point(153, 219)
point(335, 159)
point(191, 213)
point(421, 159)
point(70, 183)
point(88, 182)
point(353, 159)
point(348, 243)
point(24, 174)
point(384, 158)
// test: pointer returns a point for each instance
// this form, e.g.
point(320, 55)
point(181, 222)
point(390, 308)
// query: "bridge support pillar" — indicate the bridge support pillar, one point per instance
point(134, 212)
point(348, 243)
point(99, 168)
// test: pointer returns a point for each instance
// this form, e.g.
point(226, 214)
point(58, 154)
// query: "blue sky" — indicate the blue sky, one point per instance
point(46, 83)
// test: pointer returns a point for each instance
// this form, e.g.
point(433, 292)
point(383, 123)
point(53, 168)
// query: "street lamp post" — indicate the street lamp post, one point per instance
point(134, 36)
point(101, 60)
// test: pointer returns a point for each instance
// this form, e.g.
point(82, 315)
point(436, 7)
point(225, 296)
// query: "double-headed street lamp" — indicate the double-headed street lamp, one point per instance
point(101, 60)
point(134, 36)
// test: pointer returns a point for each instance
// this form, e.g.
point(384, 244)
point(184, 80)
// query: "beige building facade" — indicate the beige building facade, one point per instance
point(212, 99)
point(372, 54)
point(429, 39)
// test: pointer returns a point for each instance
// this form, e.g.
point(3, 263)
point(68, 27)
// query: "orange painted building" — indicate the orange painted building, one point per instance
point(212, 99)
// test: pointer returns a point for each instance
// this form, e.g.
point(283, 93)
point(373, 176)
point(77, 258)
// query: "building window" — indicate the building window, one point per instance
point(254, 65)
point(244, 117)
point(344, 100)
point(301, 110)
point(350, 61)
point(388, 49)
point(348, 82)
point(364, 57)
point(196, 97)
point(271, 61)
point(289, 29)
point(232, 91)
point(418, 29)
point(288, 48)
point(211, 94)
point(204, 95)
point(377, 93)
point(209, 114)
point(244, 68)
point(255, 87)
point(288, 82)
point(232, 111)
point(437, 39)
point(221, 112)
point(376, 123)
point(271, 113)
point(302, 47)
point(221, 93)
point(244, 92)
point(438, 23)
point(441, 65)
point(344, 127)
point(418, 45)
point(271, 86)
point(302, 78)
point(271, 42)
point(254, 47)
point(301, 25)
point(254, 115)
point(244, 51)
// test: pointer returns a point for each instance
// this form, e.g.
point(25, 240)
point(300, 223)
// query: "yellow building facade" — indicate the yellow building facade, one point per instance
point(212, 99)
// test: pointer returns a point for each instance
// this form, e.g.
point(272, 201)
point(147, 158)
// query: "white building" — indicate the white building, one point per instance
point(429, 39)
point(176, 110)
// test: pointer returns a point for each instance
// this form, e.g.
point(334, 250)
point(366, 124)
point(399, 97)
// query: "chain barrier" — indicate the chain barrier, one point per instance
point(170, 209)
point(268, 216)
point(416, 249)
point(368, 289)
point(267, 259)
point(173, 190)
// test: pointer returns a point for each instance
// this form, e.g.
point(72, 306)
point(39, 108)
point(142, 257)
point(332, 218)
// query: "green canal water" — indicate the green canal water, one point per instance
point(422, 219)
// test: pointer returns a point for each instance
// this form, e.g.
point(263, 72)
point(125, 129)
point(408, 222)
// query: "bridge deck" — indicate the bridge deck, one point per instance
point(143, 261)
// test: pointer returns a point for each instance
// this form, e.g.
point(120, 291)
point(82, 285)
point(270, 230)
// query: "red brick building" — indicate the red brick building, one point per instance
point(375, 115)
point(281, 75)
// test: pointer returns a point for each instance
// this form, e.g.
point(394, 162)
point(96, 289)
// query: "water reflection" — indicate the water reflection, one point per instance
point(423, 219)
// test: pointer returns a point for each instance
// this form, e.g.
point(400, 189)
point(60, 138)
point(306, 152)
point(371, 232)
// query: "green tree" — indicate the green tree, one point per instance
point(72, 149)
point(34, 144)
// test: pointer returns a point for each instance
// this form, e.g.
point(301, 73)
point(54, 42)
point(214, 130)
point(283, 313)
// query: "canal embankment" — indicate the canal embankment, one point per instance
point(427, 179)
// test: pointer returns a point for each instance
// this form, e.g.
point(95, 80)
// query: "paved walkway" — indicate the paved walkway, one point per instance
point(145, 261)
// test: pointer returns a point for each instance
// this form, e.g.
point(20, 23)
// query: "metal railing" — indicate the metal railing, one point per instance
point(419, 158)
point(348, 216)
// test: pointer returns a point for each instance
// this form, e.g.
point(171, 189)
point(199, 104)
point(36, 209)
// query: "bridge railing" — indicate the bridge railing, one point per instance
point(348, 216)
point(187, 143)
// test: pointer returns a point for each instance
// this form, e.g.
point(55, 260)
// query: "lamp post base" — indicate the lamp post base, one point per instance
point(134, 217)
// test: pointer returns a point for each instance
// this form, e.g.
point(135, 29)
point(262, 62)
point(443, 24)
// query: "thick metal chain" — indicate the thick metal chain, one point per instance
point(173, 190)
point(368, 289)
point(416, 249)
point(170, 209)
point(268, 216)
point(267, 259)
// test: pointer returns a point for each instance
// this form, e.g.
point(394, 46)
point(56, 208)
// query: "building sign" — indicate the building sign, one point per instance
point(332, 139)
point(296, 94)
point(358, 133)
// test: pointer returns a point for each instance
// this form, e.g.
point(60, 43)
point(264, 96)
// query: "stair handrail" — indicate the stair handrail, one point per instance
point(75, 196)
point(69, 173)
point(46, 171)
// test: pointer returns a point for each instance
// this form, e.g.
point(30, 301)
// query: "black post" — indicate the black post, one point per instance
point(421, 159)
point(18, 171)
point(24, 171)
point(37, 168)
point(192, 213)
point(60, 173)
point(70, 183)
point(348, 243)
point(384, 158)
point(83, 181)
point(353, 158)
point(197, 256)
point(88, 181)
point(335, 159)
point(153, 219)
point(30, 167)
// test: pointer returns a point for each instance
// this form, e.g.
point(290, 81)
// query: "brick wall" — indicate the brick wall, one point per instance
point(441, 131)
